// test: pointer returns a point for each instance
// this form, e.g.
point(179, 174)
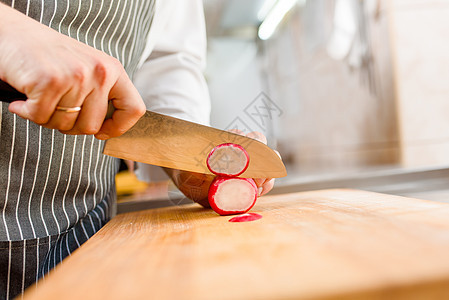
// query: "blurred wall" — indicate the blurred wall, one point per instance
point(358, 84)
point(234, 77)
point(340, 112)
point(421, 54)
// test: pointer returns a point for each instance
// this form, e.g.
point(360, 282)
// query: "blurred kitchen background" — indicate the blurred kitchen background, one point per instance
point(352, 93)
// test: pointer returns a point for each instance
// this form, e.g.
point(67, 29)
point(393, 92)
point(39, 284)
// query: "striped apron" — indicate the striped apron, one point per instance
point(57, 190)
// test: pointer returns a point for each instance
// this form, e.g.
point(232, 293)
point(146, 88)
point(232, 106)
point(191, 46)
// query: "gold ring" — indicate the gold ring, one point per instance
point(68, 109)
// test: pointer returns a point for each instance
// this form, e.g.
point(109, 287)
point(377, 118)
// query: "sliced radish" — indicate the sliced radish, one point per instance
point(246, 218)
point(230, 196)
point(228, 160)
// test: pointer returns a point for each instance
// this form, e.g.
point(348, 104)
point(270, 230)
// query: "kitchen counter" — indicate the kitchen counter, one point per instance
point(327, 244)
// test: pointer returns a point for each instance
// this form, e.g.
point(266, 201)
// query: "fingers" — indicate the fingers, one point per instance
point(260, 181)
point(257, 136)
point(128, 105)
point(93, 100)
point(254, 135)
point(85, 90)
point(65, 120)
point(266, 187)
point(91, 116)
point(43, 99)
point(236, 131)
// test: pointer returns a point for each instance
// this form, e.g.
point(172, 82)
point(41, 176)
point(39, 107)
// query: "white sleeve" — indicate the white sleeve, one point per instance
point(171, 79)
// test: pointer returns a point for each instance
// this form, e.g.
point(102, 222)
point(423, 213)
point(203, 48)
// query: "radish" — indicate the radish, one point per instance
point(249, 217)
point(232, 195)
point(228, 160)
point(228, 194)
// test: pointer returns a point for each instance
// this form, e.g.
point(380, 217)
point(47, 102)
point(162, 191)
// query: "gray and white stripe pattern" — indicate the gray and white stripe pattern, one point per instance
point(58, 190)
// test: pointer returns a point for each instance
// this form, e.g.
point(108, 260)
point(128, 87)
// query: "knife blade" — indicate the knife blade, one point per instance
point(174, 143)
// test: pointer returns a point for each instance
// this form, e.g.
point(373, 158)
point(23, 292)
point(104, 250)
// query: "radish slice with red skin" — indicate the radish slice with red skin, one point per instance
point(232, 195)
point(245, 218)
point(228, 160)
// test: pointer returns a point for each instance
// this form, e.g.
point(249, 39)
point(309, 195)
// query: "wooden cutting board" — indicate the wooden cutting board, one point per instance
point(331, 244)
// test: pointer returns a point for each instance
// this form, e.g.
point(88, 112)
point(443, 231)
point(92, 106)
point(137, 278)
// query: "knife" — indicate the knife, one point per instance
point(170, 142)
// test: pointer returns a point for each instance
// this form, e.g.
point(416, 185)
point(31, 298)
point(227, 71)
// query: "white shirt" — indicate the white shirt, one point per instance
point(170, 78)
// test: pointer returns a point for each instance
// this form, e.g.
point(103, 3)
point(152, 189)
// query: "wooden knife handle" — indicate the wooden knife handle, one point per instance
point(10, 94)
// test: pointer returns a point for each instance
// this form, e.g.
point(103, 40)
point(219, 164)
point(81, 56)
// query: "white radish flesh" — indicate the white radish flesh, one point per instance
point(229, 196)
point(228, 160)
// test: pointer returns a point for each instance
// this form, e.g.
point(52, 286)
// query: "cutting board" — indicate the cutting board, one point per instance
point(331, 244)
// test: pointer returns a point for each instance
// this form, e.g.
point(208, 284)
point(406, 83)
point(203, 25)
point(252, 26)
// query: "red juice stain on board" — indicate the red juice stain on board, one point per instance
point(246, 218)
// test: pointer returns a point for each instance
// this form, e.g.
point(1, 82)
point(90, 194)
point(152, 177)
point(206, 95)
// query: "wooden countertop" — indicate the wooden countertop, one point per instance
point(329, 244)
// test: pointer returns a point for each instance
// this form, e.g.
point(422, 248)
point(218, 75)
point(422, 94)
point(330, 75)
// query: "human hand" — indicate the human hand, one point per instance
point(55, 70)
point(194, 186)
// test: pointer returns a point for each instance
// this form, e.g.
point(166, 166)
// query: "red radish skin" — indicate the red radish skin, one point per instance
point(227, 160)
point(246, 218)
point(232, 195)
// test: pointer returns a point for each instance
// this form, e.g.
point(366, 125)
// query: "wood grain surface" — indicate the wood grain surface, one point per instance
point(331, 244)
